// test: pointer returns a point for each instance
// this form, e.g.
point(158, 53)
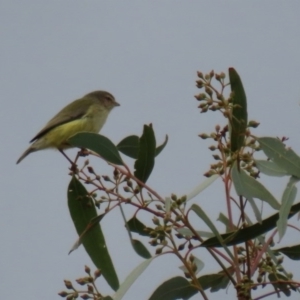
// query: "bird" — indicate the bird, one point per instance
point(87, 114)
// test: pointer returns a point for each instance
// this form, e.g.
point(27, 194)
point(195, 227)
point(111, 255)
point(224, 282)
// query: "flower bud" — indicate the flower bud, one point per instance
point(253, 124)
point(68, 284)
point(200, 74)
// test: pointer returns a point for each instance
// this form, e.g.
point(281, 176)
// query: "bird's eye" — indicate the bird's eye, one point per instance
point(109, 98)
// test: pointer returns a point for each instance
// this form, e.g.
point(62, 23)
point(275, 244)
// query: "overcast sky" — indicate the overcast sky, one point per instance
point(146, 53)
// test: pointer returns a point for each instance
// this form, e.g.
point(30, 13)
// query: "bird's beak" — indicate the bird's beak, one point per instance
point(117, 104)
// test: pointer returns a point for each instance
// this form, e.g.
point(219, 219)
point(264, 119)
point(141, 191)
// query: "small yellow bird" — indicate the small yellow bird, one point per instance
point(87, 114)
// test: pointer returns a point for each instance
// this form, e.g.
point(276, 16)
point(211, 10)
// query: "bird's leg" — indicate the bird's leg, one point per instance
point(73, 165)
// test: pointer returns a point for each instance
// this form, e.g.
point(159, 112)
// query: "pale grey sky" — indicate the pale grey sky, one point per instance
point(146, 53)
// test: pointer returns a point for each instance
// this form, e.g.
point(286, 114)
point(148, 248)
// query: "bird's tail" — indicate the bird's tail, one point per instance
point(28, 151)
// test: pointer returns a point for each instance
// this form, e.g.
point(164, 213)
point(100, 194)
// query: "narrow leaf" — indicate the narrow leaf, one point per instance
point(135, 225)
point(223, 219)
point(249, 187)
point(140, 249)
point(214, 282)
point(91, 225)
point(270, 168)
point(130, 146)
point(284, 157)
point(292, 252)
point(145, 162)
point(131, 278)
point(288, 198)
point(174, 288)
point(180, 288)
point(239, 111)
point(82, 210)
point(202, 186)
point(162, 146)
point(248, 233)
point(201, 214)
point(99, 144)
point(257, 212)
point(188, 233)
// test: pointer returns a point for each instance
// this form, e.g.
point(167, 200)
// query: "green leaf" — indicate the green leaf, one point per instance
point(82, 210)
point(188, 233)
point(288, 198)
point(145, 162)
point(99, 144)
point(140, 249)
point(284, 157)
point(292, 252)
point(174, 288)
point(257, 212)
point(249, 187)
point(248, 233)
point(223, 219)
point(90, 225)
point(269, 168)
point(214, 281)
point(180, 288)
point(135, 225)
point(202, 186)
point(162, 146)
point(130, 146)
point(131, 278)
point(201, 214)
point(239, 111)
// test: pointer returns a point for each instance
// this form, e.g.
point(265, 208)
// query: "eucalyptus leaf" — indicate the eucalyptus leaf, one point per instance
point(162, 146)
point(284, 157)
point(239, 118)
point(188, 233)
point(248, 233)
point(223, 219)
point(174, 288)
point(293, 252)
point(145, 162)
point(130, 146)
point(135, 225)
point(201, 214)
point(140, 249)
point(257, 212)
point(131, 278)
point(83, 212)
point(249, 187)
point(270, 168)
point(215, 282)
point(288, 198)
point(99, 144)
point(202, 186)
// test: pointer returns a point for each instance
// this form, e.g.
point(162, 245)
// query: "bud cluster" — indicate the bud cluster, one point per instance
point(91, 291)
point(211, 98)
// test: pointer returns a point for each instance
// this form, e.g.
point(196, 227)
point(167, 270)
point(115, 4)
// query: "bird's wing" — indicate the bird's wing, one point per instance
point(63, 117)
